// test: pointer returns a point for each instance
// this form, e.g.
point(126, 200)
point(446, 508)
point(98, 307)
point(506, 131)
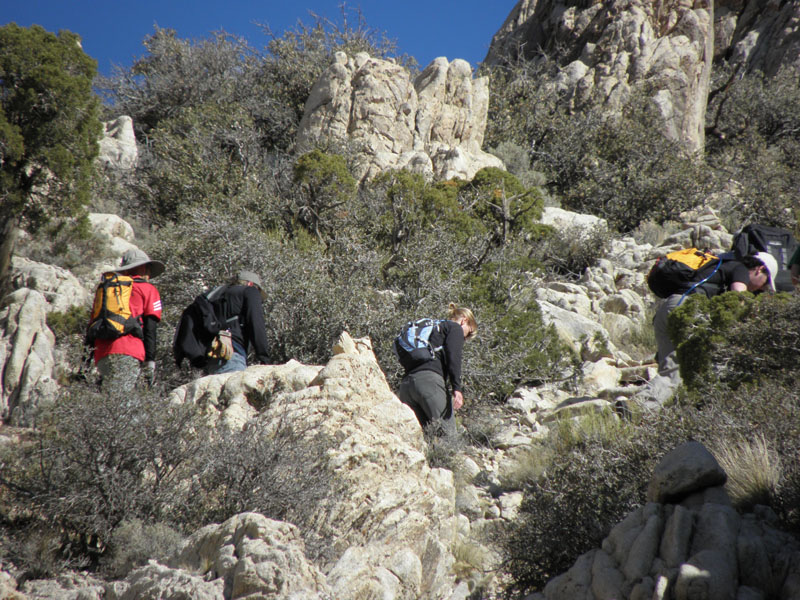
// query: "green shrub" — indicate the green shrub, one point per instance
point(98, 459)
point(503, 204)
point(326, 188)
point(123, 474)
point(567, 253)
point(571, 508)
point(276, 468)
point(735, 338)
point(71, 322)
point(616, 167)
point(134, 542)
point(754, 139)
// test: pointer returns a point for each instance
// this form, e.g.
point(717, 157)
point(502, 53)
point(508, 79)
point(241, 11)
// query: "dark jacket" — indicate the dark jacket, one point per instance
point(729, 272)
point(244, 313)
point(448, 360)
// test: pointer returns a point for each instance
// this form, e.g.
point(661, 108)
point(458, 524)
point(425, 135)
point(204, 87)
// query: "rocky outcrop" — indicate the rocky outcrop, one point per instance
point(60, 288)
point(247, 556)
point(26, 357)
point(391, 530)
point(758, 34)
point(686, 543)
point(118, 145)
point(231, 400)
point(433, 125)
point(612, 47)
point(118, 236)
point(27, 346)
point(606, 49)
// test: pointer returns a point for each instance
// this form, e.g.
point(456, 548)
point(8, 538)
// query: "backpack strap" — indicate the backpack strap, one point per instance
point(217, 298)
point(699, 283)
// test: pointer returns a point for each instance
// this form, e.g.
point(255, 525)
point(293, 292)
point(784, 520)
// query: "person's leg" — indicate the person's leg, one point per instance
point(407, 395)
point(665, 348)
point(118, 372)
point(426, 394)
point(661, 387)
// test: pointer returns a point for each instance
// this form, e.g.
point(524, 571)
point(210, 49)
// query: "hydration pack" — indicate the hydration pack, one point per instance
point(413, 346)
point(678, 272)
point(111, 312)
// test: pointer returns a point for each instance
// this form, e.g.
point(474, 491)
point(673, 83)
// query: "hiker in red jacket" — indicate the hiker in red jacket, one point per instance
point(121, 360)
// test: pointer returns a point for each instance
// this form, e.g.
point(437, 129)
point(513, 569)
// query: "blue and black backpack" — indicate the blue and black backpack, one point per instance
point(413, 346)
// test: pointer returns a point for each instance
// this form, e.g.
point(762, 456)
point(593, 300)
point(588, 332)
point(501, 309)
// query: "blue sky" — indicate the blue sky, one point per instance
point(113, 30)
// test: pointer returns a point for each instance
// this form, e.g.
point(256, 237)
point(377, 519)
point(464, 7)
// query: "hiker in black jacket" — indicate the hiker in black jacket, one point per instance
point(754, 273)
point(423, 387)
point(243, 310)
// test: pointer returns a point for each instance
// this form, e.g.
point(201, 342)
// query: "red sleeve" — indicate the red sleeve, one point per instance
point(149, 301)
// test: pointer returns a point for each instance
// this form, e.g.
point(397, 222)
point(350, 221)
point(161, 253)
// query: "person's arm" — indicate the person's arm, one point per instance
point(150, 330)
point(739, 277)
point(453, 349)
point(253, 327)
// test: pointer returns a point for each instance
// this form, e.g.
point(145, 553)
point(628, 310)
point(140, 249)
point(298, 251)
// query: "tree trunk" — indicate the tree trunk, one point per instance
point(7, 244)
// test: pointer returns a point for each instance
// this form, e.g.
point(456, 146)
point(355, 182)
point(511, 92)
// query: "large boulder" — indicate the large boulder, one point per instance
point(433, 125)
point(118, 144)
point(390, 530)
point(118, 236)
point(60, 288)
point(26, 357)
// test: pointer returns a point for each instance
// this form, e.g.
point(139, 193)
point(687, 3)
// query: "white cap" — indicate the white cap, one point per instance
point(771, 264)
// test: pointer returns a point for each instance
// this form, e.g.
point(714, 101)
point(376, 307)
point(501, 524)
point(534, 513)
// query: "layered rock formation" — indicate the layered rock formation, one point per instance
point(668, 48)
point(433, 125)
point(392, 528)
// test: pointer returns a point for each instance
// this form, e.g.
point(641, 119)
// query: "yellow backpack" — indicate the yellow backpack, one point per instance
point(677, 272)
point(111, 313)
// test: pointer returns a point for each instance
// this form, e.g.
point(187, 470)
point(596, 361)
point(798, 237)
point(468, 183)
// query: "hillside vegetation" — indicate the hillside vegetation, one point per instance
point(219, 186)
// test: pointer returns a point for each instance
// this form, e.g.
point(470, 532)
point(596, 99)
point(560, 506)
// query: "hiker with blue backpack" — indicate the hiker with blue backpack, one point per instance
point(430, 352)
point(671, 280)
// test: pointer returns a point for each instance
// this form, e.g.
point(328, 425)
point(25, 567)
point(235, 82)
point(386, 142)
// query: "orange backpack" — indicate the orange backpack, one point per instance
point(111, 313)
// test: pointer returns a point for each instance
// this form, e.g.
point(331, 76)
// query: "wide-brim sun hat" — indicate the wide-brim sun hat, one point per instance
point(255, 279)
point(135, 258)
point(771, 264)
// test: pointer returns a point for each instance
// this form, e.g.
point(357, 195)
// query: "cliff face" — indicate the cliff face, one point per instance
point(433, 125)
point(606, 49)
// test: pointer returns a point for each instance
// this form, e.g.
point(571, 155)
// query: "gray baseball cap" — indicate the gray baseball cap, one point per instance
point(255, 279)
